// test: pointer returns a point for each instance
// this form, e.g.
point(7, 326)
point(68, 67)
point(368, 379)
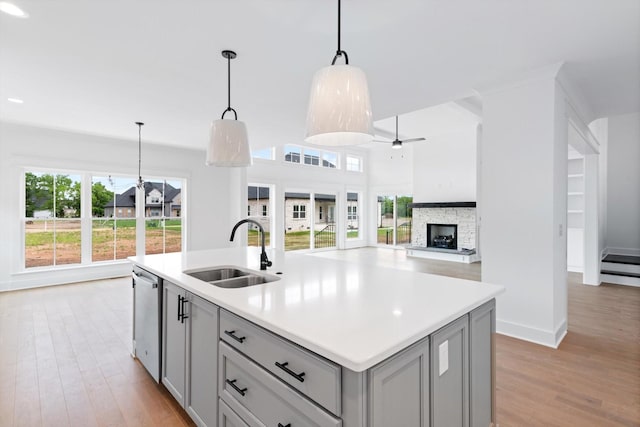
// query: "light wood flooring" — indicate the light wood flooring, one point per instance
point(64, 357)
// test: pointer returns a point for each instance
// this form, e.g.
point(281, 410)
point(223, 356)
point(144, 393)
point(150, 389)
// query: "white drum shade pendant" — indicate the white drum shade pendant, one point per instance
point(228, 141)
point(339, 106)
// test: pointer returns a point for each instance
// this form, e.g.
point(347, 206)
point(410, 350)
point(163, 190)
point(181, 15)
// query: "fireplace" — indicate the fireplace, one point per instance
point(443, 236)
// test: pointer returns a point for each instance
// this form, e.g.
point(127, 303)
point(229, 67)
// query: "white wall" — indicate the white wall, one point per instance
point(623, 184)
point(209, 196)
point(444, 167)
point(524, 190)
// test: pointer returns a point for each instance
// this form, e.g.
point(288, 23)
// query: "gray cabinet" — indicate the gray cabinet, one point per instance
point(482, 326)
point(190, 353)
point(399, 389)
point(174, 341)
point(228, 418)
point(450, 375)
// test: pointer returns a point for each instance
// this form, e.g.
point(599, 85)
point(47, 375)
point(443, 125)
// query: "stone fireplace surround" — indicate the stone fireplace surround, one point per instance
point(463, 214)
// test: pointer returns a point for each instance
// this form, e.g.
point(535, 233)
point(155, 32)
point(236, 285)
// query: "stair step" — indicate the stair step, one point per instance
point(620, 280)
point(620, 268)
point(622, 259)
point(620, 273)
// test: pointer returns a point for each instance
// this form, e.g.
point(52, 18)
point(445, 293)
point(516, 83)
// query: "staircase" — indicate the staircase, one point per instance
point(621, 269)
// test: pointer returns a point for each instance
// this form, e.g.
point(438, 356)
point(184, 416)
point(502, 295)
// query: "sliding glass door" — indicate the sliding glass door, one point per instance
point(394, 220)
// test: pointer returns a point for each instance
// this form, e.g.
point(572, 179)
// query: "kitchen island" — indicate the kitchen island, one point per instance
point(326, 343)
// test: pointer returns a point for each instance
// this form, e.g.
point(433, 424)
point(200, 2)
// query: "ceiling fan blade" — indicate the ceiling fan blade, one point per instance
point(379, 140)
point(413, 140)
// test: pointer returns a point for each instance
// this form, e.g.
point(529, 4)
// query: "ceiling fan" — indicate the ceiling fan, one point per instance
point(397, 143)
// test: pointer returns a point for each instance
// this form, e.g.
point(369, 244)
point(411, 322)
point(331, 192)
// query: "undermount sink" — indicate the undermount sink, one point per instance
point(231, 277)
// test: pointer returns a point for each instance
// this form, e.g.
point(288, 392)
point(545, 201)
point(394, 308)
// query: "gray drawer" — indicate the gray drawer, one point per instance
point(321, 379)
point(252, 392)
point(228, 418)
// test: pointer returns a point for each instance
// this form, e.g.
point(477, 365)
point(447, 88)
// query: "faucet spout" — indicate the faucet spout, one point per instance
point(264, 260)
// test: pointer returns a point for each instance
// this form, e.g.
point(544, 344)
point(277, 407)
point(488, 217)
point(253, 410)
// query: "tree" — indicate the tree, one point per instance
point(100, 196)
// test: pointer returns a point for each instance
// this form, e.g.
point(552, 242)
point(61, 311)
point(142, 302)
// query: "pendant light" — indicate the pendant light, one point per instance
point(339, 107)
point(140, 183)
point(228, 141)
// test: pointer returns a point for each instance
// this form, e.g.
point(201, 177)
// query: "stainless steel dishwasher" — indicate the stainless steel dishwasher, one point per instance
point(147, 325)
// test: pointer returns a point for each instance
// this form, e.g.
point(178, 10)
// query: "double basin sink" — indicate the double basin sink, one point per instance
point(231, 277)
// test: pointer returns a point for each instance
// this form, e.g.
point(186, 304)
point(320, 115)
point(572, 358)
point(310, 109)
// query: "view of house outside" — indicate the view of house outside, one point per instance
point(52, 223)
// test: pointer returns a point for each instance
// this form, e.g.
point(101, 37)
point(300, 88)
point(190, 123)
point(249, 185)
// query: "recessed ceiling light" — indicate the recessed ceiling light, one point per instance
point(12, 9)
point(15, 100)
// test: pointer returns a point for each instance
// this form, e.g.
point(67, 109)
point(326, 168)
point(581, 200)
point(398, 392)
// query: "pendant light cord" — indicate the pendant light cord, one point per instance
point(229, 55)
point(140, 181)
point(340, 52)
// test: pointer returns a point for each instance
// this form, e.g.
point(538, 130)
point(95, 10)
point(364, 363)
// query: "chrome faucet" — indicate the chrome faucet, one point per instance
point(264, 261)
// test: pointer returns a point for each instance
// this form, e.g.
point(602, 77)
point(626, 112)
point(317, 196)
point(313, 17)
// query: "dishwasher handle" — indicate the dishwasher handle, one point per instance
point(144, 281)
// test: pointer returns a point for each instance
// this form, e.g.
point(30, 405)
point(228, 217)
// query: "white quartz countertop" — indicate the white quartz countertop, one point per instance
point(352, 313)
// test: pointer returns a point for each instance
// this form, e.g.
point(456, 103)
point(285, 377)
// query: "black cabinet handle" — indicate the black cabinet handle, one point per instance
point(179, 307)
point(280, 425)
point(232, 383)
point(184, 301)
point(283, 366)
point(235, 337)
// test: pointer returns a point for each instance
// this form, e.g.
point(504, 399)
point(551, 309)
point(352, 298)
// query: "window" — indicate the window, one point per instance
point(155, 199)
point(258, 201)
point(292, 153)
point(320, 212)
point(311, 157)
point(299, 211)
point(52, 226)
point(394, 219)
point(163, 224)
point(113, 222)
point(265, 153)
point(353, 221)
point(354, 163)
point(329, 160)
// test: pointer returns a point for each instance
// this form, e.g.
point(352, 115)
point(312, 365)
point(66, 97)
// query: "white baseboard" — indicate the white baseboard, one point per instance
point(50, 277)
point(527, 333)
point(575, 268)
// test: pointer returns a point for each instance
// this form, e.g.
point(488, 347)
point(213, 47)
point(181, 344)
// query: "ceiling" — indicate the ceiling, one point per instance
point(99, 66)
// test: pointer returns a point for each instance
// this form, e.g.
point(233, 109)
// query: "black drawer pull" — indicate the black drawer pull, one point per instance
point(232, 383)
point(184, 316)
point(280, 425)
point(283, 366)
point(232, 335)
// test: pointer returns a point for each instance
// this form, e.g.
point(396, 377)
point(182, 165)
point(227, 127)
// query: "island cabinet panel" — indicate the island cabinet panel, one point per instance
point(399, 389)
point(228, 418)
point(313, 376)
point(174, 341)
point(190, 352)
point(202, 357)
point(482, 326)
point(254, 393)
point(450, 375)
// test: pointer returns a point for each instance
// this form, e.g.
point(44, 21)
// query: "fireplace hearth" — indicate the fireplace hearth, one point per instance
point(442, 236)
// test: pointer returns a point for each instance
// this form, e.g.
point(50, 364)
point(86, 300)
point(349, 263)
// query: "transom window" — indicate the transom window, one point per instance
point(354, 163)
point(310, 156)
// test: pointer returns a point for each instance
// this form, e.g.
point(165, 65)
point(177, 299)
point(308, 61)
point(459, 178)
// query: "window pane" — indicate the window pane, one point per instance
point(68, 238)
point(292, 153)
point(403, 223)
point(296, 224)
point(325, 226)
point(113, 209)
point(163, 210)
point(354, 164)
point(38, 242)
point(385, 220)
point(353, 220)
point(311, 157)
point(265, 153)
point(258, 199)
point(329, 160)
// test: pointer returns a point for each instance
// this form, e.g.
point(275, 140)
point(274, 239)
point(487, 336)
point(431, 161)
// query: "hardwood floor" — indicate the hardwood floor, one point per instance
point(64, 358)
